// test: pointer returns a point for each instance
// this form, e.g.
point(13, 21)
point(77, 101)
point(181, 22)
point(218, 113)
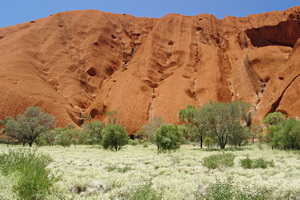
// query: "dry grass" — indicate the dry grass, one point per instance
point(89, 172)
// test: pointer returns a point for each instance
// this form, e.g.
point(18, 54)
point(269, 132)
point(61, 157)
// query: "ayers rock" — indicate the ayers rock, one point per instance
point(90, 62)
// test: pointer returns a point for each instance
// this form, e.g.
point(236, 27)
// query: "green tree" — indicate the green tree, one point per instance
point(29, 126)
point(223, 121)
point(287, 136)
point(274, 118)
point(167, 137)
point(195, 120)
point(94, 131)
point(114, 137)
point(49, 137)
point(66, 136)
point(240, 136)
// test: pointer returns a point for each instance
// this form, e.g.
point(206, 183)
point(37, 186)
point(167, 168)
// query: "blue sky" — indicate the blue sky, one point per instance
point(18, 11)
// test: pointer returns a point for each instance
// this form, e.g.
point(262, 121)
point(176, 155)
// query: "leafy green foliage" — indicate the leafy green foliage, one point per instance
point(49, 137)
point(274, 118)
point(194, 120)
point(248, 163)
point(167, 137)
point(28, 171)
point(144, 192)
point(208, 142)
point(29, 126)
point(228, 190)
point(67, 136)
point(288, 136)
point(219, 160)
point(285, 134)
point(223, 121)
point(240, 136)
point(114, 137)
point(94, 131)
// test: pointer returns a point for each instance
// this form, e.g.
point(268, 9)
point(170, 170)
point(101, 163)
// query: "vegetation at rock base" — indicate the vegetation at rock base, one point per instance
point(219, 121)
point(167, 138)
point(94, 131)
point(114, 137)
point(282, 133)
point(29, 126)
point(91, 172)
point(147, 131)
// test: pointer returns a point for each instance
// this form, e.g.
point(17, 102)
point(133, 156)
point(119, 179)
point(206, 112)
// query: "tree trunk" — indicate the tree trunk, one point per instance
point(201, 141)
point(30, 143)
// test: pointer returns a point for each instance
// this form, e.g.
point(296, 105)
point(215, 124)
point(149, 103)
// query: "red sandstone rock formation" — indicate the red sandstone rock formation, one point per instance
point(92, 62)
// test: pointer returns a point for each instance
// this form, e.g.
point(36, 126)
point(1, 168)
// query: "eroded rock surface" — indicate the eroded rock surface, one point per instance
point(90, 62)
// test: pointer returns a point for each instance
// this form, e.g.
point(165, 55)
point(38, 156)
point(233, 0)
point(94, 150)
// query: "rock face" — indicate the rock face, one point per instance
point(90, 62)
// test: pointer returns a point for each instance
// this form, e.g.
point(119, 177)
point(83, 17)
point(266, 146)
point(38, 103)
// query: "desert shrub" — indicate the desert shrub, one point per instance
point(208, 142)
point(219, 160)
point(28, 171)
point(262, 163)
point(167, 137)
point(221, 190)
point(114, 137)
point(248, 163)
point(228, 189)
point(124, 169)
point(144, 192)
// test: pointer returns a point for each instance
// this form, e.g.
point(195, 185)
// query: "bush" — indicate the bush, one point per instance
point(93, 131)
point(288, 135)
point(208, 142)
point(63, 138)
point(227, 190)
point(248, 163)
point(273, 119)
point(119, 169)
point(167, 137)
point(28, 170)
point(219, 160)
point(114, 137)
point(144, 192)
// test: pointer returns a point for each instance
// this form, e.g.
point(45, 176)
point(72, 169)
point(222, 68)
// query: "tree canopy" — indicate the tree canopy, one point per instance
point(224, 121)
point(114, 137)
point(195, 119)
point(30, 125)
point(167, 137)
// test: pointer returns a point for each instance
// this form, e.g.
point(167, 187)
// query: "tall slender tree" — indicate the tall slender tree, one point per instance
point(193, 117)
